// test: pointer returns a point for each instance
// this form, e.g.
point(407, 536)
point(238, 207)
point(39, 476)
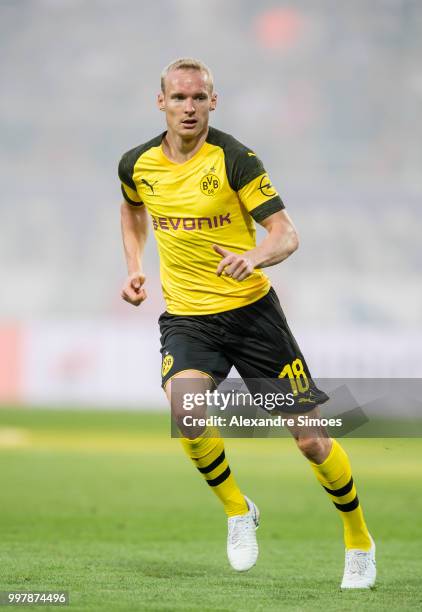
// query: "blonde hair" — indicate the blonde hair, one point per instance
point(187, 63)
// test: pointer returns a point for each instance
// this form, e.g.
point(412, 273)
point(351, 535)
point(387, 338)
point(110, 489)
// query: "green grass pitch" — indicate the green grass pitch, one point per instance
point(106, 506)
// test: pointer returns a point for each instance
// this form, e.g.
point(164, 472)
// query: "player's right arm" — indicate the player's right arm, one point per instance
point(134, 222)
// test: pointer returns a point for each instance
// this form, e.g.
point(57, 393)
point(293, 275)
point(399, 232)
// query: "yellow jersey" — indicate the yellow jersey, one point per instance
point(213, 198)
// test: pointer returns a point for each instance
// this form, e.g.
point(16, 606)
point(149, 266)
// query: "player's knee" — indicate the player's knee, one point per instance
point(187, 401)
point(313, 448)
point(177, 411)
point(190, 423)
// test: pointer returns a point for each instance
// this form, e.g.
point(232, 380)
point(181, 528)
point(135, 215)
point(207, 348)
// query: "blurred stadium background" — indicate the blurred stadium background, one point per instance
point(328, 93)
point(102, 502)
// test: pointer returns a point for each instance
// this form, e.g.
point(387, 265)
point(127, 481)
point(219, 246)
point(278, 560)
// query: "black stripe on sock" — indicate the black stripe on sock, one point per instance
point(348, 507)
point(216, 481)
point(343, 491)
point(213, 464)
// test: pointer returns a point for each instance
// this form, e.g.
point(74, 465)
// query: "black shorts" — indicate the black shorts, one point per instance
point(255, 339)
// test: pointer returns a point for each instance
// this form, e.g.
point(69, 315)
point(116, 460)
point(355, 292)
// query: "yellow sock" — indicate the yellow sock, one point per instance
point(208, 456)
point(335, 475)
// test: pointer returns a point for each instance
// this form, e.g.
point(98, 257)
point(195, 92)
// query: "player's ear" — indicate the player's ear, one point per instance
point(213, 102)
point(160, 100)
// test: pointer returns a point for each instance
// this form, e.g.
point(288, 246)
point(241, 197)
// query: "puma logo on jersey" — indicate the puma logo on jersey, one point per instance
point(150, 185)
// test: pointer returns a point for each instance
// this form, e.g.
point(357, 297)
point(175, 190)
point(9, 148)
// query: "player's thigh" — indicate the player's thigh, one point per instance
point(188, 383)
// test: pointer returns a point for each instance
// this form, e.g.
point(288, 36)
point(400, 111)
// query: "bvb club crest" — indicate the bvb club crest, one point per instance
point(210, 184)
point(167, 364)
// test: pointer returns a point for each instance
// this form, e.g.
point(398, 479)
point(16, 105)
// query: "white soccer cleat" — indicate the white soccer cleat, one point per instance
point(242, 547)
point(360, 569)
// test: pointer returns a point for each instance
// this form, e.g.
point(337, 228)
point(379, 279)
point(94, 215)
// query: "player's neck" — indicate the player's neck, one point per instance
point(180, 150)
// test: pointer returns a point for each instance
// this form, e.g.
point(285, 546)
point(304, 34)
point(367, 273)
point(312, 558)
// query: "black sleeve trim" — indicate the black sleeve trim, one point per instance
point(248, 171)
point(266, 209)
point(242, 165)
point(129, 159)
point(127, 198)
point(126, 170)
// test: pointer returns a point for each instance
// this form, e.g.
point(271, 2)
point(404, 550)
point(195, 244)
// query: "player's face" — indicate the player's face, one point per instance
point(187, 102)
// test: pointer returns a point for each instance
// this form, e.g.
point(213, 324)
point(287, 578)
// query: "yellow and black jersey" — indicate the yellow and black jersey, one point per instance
point(213, 198)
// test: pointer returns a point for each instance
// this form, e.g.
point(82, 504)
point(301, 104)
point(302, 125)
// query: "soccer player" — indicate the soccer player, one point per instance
point(204, 191)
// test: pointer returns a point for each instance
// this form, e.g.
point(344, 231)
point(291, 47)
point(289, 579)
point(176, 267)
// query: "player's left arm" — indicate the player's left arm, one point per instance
point(280, 242)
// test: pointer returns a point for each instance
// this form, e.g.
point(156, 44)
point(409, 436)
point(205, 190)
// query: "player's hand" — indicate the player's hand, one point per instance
point(133, 291)
point(234, 265)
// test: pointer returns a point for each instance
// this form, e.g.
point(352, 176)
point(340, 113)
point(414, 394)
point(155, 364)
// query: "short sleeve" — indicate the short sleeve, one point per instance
point(253, 185)
point(128, 186)
point(260, 197)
